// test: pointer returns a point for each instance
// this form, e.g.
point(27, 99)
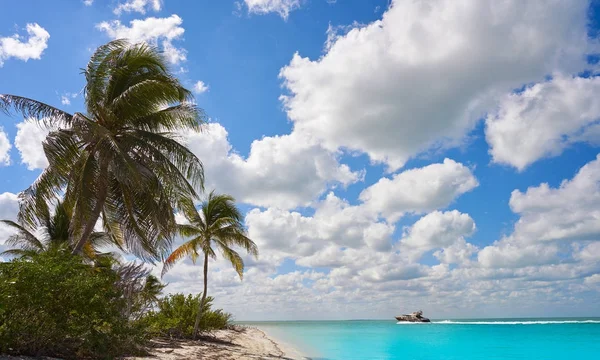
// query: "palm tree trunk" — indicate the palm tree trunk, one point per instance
point(199, 315)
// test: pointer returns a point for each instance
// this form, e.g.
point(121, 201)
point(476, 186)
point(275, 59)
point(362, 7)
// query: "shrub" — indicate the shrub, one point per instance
point(176, 315)
point(54, 304)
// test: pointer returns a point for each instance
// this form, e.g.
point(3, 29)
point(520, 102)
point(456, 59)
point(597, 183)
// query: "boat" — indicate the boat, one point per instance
point(416, 316)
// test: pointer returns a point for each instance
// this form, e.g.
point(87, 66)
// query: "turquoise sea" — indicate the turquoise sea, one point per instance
point(442, 339)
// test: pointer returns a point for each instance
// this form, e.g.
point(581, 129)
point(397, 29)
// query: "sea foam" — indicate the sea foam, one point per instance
point(519, 322)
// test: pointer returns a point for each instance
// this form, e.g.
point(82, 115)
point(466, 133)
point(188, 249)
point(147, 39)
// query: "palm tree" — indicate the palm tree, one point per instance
point(121, 160)
point(219, 223)
point(51, 234)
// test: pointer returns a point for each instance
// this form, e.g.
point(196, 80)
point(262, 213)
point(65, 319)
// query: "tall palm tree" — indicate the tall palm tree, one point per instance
point(218, 223)
point(121, 160)
point(52, 234)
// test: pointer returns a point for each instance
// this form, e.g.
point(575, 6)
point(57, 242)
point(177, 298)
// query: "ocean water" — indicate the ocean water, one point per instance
point(441, 339)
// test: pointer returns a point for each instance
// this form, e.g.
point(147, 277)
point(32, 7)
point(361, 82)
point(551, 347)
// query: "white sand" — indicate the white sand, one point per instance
point(245, 343)
point(249, 343)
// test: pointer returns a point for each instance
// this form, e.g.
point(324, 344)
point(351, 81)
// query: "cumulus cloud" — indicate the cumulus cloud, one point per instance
point(32, 48)
point(569, 212)
point(281, 7)
point(509, 255)
point(440, 230)
point(590, 252)
point(29, 138)
point(152, 30)
point(139, 6)
point(544, 119)
point(412, 82)
point(5, 147)
point(283, 171)
point(88, 2)
point(419, 190)
point(9, 208)
point(335, 225)
point(549, 217)
point(200, 87)
point(409, 83)
point(338, 266)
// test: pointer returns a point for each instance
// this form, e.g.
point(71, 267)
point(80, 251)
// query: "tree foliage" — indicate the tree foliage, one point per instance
point(55, 304)
point(51, 234)
point(121, 160)
point(175, 317)
point(219, 224)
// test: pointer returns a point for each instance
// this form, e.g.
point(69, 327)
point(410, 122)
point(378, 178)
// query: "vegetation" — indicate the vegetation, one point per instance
point(219, 223)
point(176, 314)
point(51, 234)
point(55, 304)
point(120, 161)
point(119, 165)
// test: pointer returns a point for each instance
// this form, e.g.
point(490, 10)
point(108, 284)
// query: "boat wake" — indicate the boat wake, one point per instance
point(520, 322)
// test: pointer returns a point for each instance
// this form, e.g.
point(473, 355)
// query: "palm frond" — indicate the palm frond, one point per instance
point(30, 108)
point(233, 257)
point(186, 249)
point(24, 238)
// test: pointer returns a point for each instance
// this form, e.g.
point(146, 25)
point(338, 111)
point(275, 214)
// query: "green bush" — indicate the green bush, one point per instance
point(176, 315)
point(54, 304)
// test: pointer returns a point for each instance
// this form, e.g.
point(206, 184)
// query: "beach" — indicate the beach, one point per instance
point(242, 343)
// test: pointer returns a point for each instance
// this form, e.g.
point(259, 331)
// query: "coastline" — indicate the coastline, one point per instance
point(288, 351)
point(242, 343)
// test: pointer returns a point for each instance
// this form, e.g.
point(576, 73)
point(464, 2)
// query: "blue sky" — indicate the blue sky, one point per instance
point(382, 150)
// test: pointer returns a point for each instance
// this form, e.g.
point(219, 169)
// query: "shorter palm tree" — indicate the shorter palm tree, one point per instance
point(51, 233)
point(219, 223)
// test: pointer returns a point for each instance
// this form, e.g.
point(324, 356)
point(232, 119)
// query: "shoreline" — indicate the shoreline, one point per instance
point(288, 351)
point(236, 344)
point(241, 343)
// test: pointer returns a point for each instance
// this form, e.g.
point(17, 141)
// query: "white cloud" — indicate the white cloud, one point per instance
point(594, 279)
point(544, 119)
point(5, 147)
point(66, 97)
point(569, 212)
point(88, 2)
point(28, 141)
point(342, 276)
point(335, 223)
point(173, 54)
point(459, 252)
point(439, 230)
point(151, 30)
point(9, 208)
point(508, 255)
point(591, 252)
point(413, 82)
point(284, 171)
point(137, 6)
point(419, 190)
point(281, 7)
point(32, 48)
point(549, 217)
point(349, 263)
point(200, 87)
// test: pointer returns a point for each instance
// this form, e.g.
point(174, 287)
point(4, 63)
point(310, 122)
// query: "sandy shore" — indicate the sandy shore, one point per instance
point(247, 343)
point(244, 343)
